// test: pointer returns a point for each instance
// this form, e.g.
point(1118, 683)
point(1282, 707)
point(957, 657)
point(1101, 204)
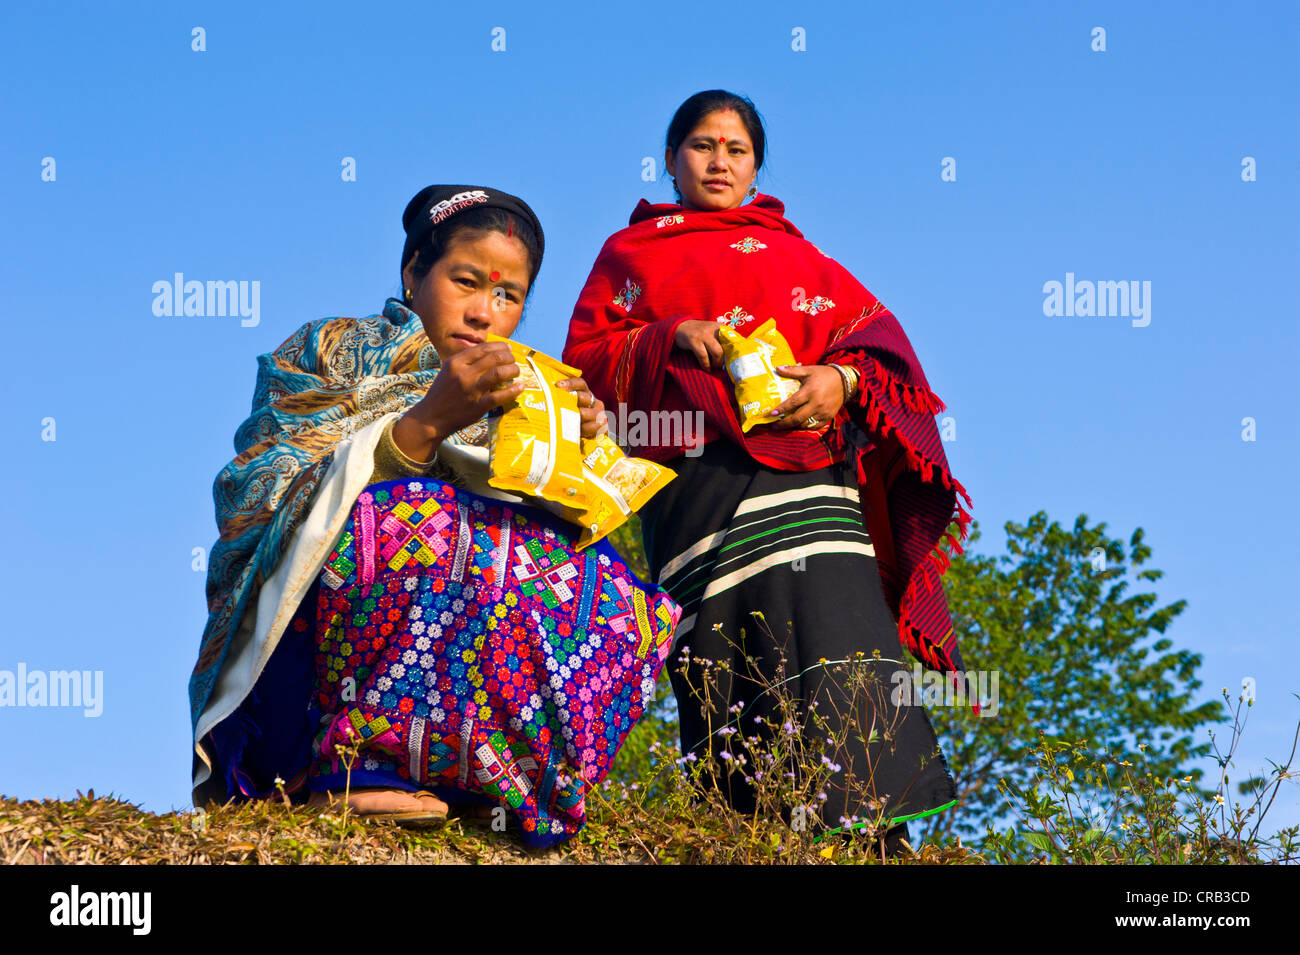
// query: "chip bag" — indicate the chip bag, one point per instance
point(617, 485)
point(752, 364)
point(535, 441)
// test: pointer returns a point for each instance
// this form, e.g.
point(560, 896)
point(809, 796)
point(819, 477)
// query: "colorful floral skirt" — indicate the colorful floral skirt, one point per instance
point(465, 648)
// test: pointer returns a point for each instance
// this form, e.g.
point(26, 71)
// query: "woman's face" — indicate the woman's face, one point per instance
point(477, 287)
point(714, 165)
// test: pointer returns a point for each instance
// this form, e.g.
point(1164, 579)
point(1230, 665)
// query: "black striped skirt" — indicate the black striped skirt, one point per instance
point(775, 573)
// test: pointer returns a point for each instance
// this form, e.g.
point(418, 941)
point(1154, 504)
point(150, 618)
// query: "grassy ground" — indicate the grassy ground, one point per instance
point(111, 831)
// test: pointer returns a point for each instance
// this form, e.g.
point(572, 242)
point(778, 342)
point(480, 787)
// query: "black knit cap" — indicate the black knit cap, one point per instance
point(434, 205)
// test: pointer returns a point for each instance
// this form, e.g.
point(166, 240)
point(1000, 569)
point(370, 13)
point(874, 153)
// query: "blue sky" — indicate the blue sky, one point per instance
point(225, 165)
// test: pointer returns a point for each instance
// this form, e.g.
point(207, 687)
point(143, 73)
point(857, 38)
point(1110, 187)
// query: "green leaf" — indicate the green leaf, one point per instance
point(1039, 840)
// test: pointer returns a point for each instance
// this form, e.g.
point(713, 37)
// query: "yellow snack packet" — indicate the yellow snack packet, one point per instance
point(752, 364)
point(535, 441)
point(617, 485)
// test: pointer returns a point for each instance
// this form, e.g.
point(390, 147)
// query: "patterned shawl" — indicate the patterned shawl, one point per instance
point(741, 266)
point(329, 379)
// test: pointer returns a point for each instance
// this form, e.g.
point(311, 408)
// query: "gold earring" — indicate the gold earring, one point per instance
point(408, 294)
point(752, 191)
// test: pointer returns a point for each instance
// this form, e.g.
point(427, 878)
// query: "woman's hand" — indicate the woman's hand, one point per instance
point(593, 409)
point(701, 339)
point(820, 397)
point(467, 388)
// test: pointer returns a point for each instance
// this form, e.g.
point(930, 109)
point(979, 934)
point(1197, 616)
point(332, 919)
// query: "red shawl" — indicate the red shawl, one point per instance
point(742, 266)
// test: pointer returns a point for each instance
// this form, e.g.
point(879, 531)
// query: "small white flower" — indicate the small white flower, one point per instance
point(426, 660)
point(438, 714)
point(526, 713)
point(410, 584)
point(372, 697)
point(417, 627)
point(384, 683)
point(422, 643)
point(417, 613)
point(584, 651)
point(565, 672)
point(457, 606)
point(371, 764)
point(409, 657)
point(446, 617)
point(397, 670)
point(516, 724)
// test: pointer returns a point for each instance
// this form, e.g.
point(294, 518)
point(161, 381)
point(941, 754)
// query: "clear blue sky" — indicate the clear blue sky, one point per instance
point(225, 165)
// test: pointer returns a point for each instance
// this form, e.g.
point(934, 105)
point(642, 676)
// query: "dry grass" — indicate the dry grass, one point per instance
point(111, 831)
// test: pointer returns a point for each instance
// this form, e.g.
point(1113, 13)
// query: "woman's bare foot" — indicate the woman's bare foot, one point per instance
point(376, 801)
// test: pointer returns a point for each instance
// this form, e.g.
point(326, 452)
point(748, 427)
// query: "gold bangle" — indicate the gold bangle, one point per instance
point(849, 378)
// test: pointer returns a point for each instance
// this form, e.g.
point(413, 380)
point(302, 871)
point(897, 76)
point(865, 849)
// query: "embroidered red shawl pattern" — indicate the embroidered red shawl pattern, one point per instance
point(741, 266)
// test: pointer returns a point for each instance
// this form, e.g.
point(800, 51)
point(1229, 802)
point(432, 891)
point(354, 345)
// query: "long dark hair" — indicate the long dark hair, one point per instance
point(476, 223)
point(692, 112)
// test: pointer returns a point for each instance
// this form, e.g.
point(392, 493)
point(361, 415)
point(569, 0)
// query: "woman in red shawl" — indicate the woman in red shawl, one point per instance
point(827, 521)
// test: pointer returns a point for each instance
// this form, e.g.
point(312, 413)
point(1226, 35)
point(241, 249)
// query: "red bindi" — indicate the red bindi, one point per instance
point(722, 139)
point(495, 275)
